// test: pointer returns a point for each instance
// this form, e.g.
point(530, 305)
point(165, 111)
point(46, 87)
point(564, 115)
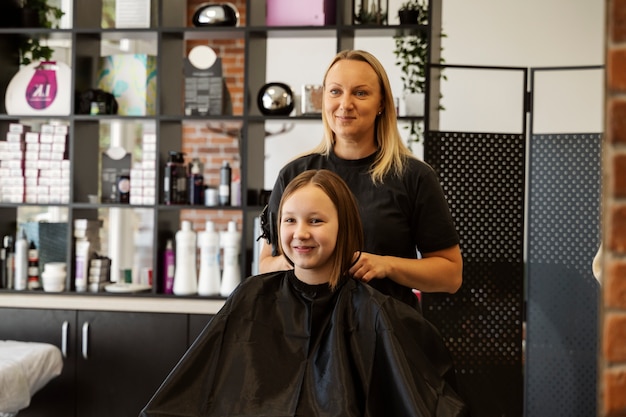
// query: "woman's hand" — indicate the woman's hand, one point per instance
point(369, 266)
point(440, 271)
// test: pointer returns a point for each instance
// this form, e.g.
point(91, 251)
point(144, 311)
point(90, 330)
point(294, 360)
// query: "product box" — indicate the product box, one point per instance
point(205, 89)
point(116, 162)
point(300, 12)
point(131, 78)
point(132, 13)
point(50, 240)
point(311, 101)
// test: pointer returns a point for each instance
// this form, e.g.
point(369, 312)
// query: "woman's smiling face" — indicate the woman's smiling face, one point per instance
point(308, 230)
point(352, 99)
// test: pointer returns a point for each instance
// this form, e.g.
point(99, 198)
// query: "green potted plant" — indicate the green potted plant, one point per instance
point(411, 52)
point(37, 13)
point(412, 12)
point(373, 16)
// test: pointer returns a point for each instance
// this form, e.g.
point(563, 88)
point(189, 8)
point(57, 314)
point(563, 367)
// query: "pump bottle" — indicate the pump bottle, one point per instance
point(209, 277)
point(230, 241)
point(185, 274)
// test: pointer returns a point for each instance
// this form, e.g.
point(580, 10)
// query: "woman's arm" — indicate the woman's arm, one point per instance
point(439, 271)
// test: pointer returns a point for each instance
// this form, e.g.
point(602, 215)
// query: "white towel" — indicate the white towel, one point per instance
point(25, 367)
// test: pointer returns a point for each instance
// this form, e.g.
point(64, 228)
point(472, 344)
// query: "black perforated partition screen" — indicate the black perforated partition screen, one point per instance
point(483, 176)
point(564, 234)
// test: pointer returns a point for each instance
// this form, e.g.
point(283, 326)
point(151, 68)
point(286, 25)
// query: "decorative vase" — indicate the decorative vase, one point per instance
point(414, 104)
point(408, 17)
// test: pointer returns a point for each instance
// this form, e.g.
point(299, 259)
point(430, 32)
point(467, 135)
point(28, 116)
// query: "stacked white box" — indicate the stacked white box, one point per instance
point(12, 164)
point(34, 167)
point(99, 273)
point(86, 247)
point(143, 176)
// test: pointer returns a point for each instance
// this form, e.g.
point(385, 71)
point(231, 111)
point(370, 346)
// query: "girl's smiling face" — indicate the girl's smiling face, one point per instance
point(308, 230)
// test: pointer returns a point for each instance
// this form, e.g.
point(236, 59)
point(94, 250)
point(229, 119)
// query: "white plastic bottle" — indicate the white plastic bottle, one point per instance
point(230, 241)
point(209, 277)
point(21, 262)
point(185, 274)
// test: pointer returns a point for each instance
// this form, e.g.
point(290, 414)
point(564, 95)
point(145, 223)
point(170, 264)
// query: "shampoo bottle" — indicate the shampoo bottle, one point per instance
point(175, 179)
point(21, 262)
point(223, 191)
point(209, 277)
point(168, 268)
point(196, 183)
point(185, 274)
point(230, 241)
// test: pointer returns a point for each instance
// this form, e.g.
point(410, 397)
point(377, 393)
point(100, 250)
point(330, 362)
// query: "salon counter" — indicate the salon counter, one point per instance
point(127, 343)
point(107, 302)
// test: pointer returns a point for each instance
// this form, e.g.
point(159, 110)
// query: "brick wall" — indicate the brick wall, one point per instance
point(613, 361)
point(213, 142)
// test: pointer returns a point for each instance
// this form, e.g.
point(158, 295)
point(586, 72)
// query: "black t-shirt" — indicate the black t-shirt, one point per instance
point(401, 216)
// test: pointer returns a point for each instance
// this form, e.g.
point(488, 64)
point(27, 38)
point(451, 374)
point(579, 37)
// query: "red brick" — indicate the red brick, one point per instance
point(619, 175)
point(614, 337)
point(617, 229)
point(614, 284)
point(617, 120)
point(616, 75)
point(618, 21)
point(613, 393)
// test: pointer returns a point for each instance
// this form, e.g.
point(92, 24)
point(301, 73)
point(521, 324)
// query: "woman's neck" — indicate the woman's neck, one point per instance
point(351, 150)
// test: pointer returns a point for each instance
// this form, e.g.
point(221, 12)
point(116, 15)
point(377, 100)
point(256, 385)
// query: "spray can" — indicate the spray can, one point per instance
point(168, 268)
point(209, 277)
point(230, 241)
point(3, 264)
point(185, 274)
point(21, 262)
point(9, 261)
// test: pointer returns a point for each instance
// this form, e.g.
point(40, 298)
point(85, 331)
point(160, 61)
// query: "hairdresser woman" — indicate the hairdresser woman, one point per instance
point(410, 238)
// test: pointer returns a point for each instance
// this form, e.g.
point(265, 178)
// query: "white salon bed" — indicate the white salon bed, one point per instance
point(25, 367)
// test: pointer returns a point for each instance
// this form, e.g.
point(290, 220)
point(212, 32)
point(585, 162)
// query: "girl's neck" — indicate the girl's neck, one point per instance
point(312, 276)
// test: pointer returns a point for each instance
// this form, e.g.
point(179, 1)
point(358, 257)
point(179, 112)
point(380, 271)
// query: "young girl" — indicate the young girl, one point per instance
point(311, 341)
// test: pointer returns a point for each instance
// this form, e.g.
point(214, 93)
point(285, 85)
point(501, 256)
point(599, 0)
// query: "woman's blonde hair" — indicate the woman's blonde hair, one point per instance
point(392, 151)
point(350, 231)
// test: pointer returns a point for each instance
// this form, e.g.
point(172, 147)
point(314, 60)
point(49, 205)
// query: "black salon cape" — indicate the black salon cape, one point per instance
point(279, 347)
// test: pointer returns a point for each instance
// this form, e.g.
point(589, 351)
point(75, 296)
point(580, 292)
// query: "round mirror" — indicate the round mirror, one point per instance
point(275, 99)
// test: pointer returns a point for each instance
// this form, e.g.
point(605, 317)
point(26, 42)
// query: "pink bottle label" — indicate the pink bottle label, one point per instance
point(42, 88)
